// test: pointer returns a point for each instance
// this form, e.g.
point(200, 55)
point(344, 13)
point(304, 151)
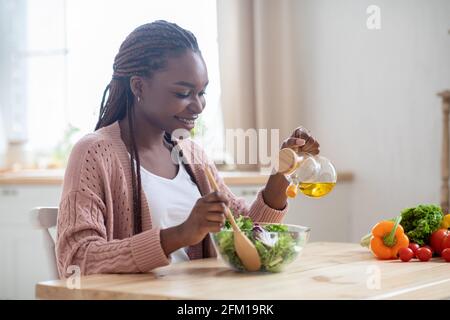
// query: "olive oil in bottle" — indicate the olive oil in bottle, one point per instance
point(310, 189)
point(316, 189)
point(318, 171)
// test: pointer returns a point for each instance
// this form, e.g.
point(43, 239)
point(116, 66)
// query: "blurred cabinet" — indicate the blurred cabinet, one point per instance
point(23, 261)
point(248, 192)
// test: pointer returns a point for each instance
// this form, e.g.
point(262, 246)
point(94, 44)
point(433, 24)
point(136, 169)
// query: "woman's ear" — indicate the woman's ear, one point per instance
point(136, 85)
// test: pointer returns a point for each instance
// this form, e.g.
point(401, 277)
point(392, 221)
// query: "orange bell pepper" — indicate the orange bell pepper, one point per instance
point(387, 238)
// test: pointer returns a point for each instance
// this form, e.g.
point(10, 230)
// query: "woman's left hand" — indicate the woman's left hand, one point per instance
point(301, 140)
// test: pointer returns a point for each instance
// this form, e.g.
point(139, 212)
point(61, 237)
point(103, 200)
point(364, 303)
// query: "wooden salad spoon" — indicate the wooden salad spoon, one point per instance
point(245, 249)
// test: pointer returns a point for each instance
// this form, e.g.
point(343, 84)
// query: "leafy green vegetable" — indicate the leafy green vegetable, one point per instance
point(420, 222)
point(275, 244)
point(276, 228)
point(244, 223)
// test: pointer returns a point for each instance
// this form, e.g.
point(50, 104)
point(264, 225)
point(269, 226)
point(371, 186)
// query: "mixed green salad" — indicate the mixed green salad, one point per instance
point(275, 244)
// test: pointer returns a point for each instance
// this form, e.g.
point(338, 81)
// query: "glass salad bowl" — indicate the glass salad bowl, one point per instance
point(277, 244)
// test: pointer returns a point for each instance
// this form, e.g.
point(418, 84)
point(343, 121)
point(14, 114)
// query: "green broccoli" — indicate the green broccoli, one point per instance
point(420, 222)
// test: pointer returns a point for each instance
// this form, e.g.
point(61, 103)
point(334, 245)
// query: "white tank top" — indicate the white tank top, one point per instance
point(170, 201)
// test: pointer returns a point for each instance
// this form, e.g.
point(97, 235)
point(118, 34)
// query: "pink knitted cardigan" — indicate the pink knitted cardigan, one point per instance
point(95, 227)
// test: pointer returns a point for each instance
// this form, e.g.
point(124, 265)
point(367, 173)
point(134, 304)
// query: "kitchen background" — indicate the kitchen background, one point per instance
point(368, 94)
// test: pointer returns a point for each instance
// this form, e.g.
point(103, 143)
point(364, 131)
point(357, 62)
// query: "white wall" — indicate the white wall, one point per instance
point(370, 97)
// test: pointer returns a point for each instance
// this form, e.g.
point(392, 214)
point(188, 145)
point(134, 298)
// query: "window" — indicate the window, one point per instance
point(68, 57)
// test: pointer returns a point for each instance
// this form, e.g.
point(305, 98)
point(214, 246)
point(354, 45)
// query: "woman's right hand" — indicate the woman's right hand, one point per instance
point(207, 215)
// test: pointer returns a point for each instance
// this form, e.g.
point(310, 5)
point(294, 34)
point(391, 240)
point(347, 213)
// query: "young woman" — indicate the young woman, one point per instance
point(128, 205)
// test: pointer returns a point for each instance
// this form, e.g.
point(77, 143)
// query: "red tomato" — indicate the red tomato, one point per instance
point(446, 242)
point(424, 254)
point(405, 254)
point(431, 249)
point(437, 240)
point(446, 254)
point(414, 246)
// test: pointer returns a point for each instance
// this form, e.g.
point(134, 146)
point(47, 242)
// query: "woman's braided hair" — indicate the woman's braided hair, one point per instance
point(144, 52)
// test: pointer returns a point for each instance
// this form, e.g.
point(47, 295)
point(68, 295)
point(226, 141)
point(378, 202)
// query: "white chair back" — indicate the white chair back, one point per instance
point(45, 219)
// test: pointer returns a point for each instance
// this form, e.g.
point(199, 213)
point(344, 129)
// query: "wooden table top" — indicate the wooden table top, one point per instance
point(323, 271)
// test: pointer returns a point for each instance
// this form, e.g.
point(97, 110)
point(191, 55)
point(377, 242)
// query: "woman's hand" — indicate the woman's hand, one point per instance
point(301, 140)
point(208, 215)
point(274, 193)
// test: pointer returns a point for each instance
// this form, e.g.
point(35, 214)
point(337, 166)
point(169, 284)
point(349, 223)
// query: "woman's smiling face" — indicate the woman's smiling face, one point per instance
point(173, 97)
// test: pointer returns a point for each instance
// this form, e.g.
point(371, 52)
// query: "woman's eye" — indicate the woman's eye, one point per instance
point(186, 95)
point(182, 95)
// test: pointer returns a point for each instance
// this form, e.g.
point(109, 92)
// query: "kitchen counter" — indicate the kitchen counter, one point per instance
point(326, 270)
point(55, 177)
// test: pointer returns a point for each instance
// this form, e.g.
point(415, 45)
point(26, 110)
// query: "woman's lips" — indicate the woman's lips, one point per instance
point(190, 122)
